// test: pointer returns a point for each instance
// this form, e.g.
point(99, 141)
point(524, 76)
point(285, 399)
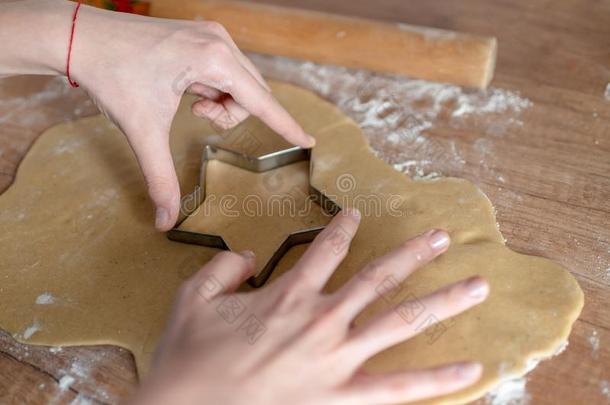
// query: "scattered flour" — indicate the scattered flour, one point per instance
point(511, 392)
point(81, 399)
point(562, 348)
point(74, 368)
point(607, 92)
point(31, 330)
point(604, 387)
point(497, 101)
point(416, 169)
point(54, 89)
point(45, 299)
point(65, 382)
point(68, 146)
point(395, 113)
point(80, 369)
point(594, 342)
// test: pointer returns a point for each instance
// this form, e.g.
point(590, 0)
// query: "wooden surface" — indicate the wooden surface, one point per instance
point(423, 53)
point(549, 178)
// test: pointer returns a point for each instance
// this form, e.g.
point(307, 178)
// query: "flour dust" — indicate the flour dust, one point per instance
point(396, 114)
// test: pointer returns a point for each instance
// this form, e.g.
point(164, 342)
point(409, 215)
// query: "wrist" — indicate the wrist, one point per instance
point(35, 36)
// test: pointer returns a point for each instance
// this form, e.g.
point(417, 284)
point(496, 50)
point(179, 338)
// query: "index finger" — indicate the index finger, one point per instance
point(249, 93)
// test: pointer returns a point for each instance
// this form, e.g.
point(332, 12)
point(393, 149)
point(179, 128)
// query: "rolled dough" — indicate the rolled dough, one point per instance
point(253, 211)
point(77, 226)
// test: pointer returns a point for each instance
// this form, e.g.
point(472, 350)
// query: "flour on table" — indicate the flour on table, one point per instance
point(418, 173)
point(65, 382)
point(607, 92)
point(594, 342)
point(511, 392)
point(396, 113)
point(604, 387)
point(497, 101)
point(55, 89)
point(32, 110)
point(79, 370)
point(81, 399)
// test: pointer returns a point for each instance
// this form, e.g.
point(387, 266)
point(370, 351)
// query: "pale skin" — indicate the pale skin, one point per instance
point(310, 351)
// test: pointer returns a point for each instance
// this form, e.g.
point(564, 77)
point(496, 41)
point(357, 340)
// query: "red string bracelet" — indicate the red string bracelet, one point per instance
point(72, 82)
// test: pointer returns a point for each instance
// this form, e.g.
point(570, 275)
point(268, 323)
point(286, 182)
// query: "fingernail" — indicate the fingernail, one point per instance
point(477, 288)
point(311, 141)
point(438, 240)
point(469, 371)
point(248, 254)
point(161, 218)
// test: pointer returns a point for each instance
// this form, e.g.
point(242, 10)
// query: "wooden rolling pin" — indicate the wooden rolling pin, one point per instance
point(418, 52)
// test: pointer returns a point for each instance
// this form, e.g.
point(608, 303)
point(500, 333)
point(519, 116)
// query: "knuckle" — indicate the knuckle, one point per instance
point(217, 49)
point(327, 321)
point(160, 185)
point(373, 272)
point(267, 108)
point(289, 299)
point(419, 249)
point(214, 27)
point(328, 244)
point(209, 109)
point(295, 292)
point(402, 387)
point(441, 375)
point(336, 239)
point(453, 294)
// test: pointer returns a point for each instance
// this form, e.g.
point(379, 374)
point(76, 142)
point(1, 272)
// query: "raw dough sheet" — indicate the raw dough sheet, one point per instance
point(77, 225)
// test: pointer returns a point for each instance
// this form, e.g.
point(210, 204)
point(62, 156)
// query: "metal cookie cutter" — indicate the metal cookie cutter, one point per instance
point(191, 203)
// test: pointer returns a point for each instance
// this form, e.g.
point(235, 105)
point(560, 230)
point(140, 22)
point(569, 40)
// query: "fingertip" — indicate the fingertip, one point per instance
point(248, 254)
point(478, 288)
point(161, 218)
point(438, 240)
point(166, 214)
point(470, 371)
point(311, 141)
point(353, 213)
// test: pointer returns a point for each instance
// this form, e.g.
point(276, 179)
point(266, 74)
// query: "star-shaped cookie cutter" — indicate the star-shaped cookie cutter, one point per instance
point(259, 164)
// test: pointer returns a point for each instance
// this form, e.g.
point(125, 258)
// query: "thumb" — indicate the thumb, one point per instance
point(153, 153)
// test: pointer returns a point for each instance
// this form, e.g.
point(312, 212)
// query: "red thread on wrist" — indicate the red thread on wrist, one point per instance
point(72, 82)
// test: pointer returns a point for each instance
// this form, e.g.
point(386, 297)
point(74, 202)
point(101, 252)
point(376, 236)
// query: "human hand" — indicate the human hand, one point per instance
point(291, 343)
point(136, 69)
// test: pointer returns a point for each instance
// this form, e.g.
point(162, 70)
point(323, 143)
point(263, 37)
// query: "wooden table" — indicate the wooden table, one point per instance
point(548, 174)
